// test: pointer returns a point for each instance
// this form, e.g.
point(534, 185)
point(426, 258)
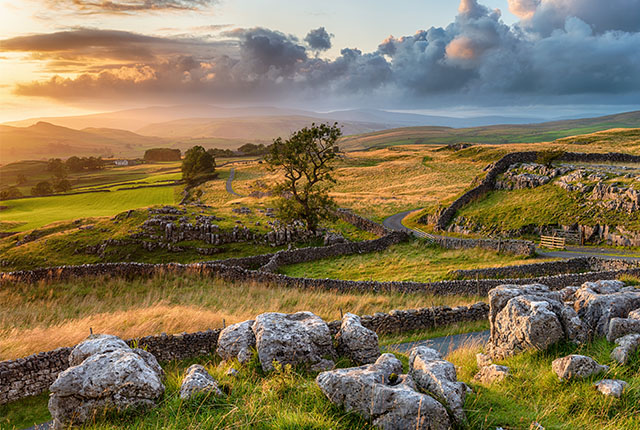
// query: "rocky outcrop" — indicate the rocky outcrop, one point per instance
point(597, 303)
point(377, 392)
point(437, 376)
point(611, 387)
point(356, 341)
point(117, 379)
point(96, 344)
point(302, 338)
point(626, 346)
point(198, 381)
point(528, 175)
point(576, 367)
point(237, 341)
point(619, 327)
point(529, 317)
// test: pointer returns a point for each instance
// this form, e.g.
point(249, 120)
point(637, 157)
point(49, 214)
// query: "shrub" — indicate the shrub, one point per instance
point(547, 157)
point(42, 189)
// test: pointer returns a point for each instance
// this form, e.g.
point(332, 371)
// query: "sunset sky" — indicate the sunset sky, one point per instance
point(564, 57)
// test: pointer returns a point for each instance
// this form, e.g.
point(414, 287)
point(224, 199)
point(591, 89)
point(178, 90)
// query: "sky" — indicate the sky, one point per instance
point(540, 57)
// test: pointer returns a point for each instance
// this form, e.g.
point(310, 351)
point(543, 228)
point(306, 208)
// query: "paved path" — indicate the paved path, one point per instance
point(445, 344)
point(232, 173)
point(394, 222)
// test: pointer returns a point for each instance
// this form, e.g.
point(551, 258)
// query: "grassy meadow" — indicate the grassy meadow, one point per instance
point(411, 261)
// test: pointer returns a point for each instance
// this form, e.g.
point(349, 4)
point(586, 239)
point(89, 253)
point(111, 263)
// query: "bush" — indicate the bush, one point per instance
point(62, 186)
point(547, 157)
point(10, 193)
point(42, 189)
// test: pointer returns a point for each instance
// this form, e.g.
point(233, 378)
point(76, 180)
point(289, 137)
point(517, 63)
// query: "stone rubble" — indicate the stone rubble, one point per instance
point(611, 387)
point(576, 366)
point(197, 381)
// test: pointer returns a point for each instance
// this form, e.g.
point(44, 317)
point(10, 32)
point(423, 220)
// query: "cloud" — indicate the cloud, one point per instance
point(319, 39)
point(127, 6)
point(545, 16)
point(476, 59)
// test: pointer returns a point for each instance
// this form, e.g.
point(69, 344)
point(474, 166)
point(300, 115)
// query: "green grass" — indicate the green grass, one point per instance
point(25, 413)
point(534, 392)
point(413, 261)
point(441, 331)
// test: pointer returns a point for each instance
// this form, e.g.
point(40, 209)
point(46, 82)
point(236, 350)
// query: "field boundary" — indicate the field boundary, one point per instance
point(33, 375)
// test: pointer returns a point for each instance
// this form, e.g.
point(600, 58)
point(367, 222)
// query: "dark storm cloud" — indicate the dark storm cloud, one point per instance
point(477, 59)
point(126, 6)
point(318, 39)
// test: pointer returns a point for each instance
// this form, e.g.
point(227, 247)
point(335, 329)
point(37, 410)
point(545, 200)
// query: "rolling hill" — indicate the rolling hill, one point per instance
point(495, 134)
point(44, 140)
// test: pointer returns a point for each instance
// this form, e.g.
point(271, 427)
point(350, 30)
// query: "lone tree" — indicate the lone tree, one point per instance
point(307, 160)
point(197, 164)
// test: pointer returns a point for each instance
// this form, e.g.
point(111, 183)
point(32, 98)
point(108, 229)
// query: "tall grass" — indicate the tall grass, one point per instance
point(40, 317)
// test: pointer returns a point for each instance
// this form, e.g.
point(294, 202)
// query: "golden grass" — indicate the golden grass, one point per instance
point(40, 317)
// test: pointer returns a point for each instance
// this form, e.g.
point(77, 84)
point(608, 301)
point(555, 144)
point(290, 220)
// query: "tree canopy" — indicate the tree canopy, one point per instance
point(307, 160)
point(197, 164)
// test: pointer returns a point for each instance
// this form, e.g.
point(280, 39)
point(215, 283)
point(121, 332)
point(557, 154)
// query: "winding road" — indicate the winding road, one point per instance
point(394, 222)
point(229, 184)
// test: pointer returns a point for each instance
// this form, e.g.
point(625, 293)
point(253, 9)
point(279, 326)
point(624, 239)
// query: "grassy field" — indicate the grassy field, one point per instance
point(45, 316)
point(40, 211)
point(413, 261)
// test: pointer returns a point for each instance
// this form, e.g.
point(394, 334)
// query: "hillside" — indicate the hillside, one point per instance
point(496, 134)
point(263, 129)
point(44, 140)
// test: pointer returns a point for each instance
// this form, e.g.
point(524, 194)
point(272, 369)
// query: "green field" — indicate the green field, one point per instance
point(413, 261)
point(39, 211)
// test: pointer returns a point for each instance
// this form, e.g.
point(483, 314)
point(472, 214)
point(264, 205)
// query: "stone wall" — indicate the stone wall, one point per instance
point(501, 166)
point(362, 223)
point(516, 247)
point(34, 374)
point(572, 265)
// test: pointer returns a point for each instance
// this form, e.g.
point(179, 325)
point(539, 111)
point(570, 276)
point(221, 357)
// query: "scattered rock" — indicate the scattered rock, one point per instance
point(300, 338)
point(236, 342)
point(232, 372)
point(483, 360)
point(627, 345)
point(197, 380)
point(438, 376)
point(492, 373)
point(116, 378)
point(576, 366)
point(611, 387)
point(369, 391)
point(356, 341)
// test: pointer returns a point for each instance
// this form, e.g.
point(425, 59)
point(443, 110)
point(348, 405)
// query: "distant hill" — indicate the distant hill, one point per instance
point(44, 140)
point(253, 129)
point(137, 119)
point(495, 134)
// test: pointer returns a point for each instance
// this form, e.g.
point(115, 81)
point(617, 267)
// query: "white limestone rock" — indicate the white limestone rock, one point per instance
point(196, 381)
point(611, 387)
point(236, 342)
point(356, 341)
point(576, 366)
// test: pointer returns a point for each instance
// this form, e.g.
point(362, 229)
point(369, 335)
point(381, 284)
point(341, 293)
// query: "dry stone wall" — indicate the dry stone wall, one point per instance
point(362, 223)
point(34, 374)
point(516, 247)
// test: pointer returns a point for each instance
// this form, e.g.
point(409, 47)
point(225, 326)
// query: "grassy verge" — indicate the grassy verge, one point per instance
point(412, 261)
point(48, 315)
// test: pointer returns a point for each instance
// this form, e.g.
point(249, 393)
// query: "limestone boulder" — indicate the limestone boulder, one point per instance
point(237, 342)
point(597, 303)
point(576, 367)
point(381, 394)
point(626, 346)
point(356, 341)
point(611, 387)
point(116, 380)
point(491, 374)
point(530, 317)
point(483, 360)
point(635, 314)
point(197, 381)
point(96, 344)
point(437, 376)
point(619, 327)
point(302, 338)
